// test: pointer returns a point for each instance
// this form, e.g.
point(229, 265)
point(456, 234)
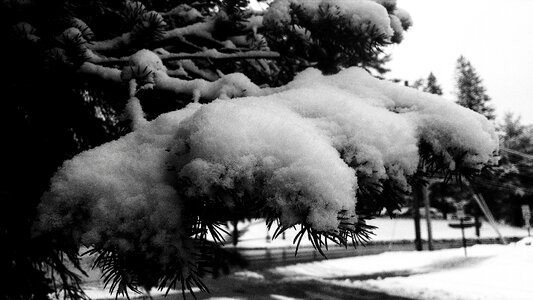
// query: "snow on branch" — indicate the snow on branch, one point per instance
point(300, 154)
point(106, 73)
point(212, 54)
point(202, 29)
point(115, 43)
point(359, 13)
point(148, 68)
point(216, 55)
point(228, 86)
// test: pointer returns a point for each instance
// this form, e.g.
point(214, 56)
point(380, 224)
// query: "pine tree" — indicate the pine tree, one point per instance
point(99, 75)
point(511, 180)
point(470, 90)
point(428, 85)
point(432, 86)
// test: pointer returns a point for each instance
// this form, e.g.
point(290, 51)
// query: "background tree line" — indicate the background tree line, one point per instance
point(506, 187)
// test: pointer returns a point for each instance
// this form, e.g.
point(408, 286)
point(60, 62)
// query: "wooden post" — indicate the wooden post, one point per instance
point(416, 217)
point(477, 223)
point(425, 197)
point(463, 233)
point(235, 235)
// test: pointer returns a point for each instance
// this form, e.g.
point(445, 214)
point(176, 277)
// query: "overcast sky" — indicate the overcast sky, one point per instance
point(496, 36)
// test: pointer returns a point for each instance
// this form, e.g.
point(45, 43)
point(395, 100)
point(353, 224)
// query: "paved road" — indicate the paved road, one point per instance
point(272, 287)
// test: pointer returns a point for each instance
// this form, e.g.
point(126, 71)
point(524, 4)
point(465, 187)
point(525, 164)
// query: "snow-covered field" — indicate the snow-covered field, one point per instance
point(488, 272)
point(255, 233)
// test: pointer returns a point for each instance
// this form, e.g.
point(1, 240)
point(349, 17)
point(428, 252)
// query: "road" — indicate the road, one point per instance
point(275, 287)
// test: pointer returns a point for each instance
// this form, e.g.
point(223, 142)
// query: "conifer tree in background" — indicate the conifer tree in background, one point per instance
point(470, 90)
point(432, 86)
point(441, 193)
point(506, 186)
point(428, 85)
point(172, 98)
point(510, 184)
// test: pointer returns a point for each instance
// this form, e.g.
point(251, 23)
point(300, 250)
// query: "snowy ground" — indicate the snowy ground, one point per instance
point(488, 272)
point(255, 233)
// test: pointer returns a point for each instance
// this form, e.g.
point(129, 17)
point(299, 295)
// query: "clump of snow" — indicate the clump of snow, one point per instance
point(85, 30)
point(184, 13)
point(74, 36)
point(404, 17)
point(527, 242)
point(143, 66)
point(70, 33)
point(258, 147)
point(249, 274)
point(397, 27)
point(360, 13)
point(299, 150)
point(352, 125)
point(390, 5)
point(451, 130)
point(281, 297)
point(107, 195)
point(134, 6)
point(26, 31)
point(146, 59)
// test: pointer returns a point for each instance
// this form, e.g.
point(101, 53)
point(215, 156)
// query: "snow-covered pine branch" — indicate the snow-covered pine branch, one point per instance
point(336, 33)
point(106, 73)
point(198, 27)
point(298, 156)
point(148, 67)
point(211, 54)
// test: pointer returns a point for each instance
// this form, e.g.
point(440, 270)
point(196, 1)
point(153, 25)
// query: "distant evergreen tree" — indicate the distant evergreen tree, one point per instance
point(432, 86)
point(515, 169)
point(470, 90)
point(428, 85)
point(511, 129)
point(418, 84)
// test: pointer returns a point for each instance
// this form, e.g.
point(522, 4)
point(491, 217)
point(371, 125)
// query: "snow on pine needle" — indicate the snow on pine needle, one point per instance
point(297, 154)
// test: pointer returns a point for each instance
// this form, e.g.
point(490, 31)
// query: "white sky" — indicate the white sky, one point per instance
point(496, 36)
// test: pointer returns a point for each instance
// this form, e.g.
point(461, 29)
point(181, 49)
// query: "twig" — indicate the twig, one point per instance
point(208, 54)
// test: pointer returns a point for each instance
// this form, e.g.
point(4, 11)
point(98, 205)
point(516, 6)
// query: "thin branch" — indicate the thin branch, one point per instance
point(202, 29)
point(229, 86)
point(208, 54)
point(111, 44)
point(105, 73)
point(191, 67)
point(216, 55)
